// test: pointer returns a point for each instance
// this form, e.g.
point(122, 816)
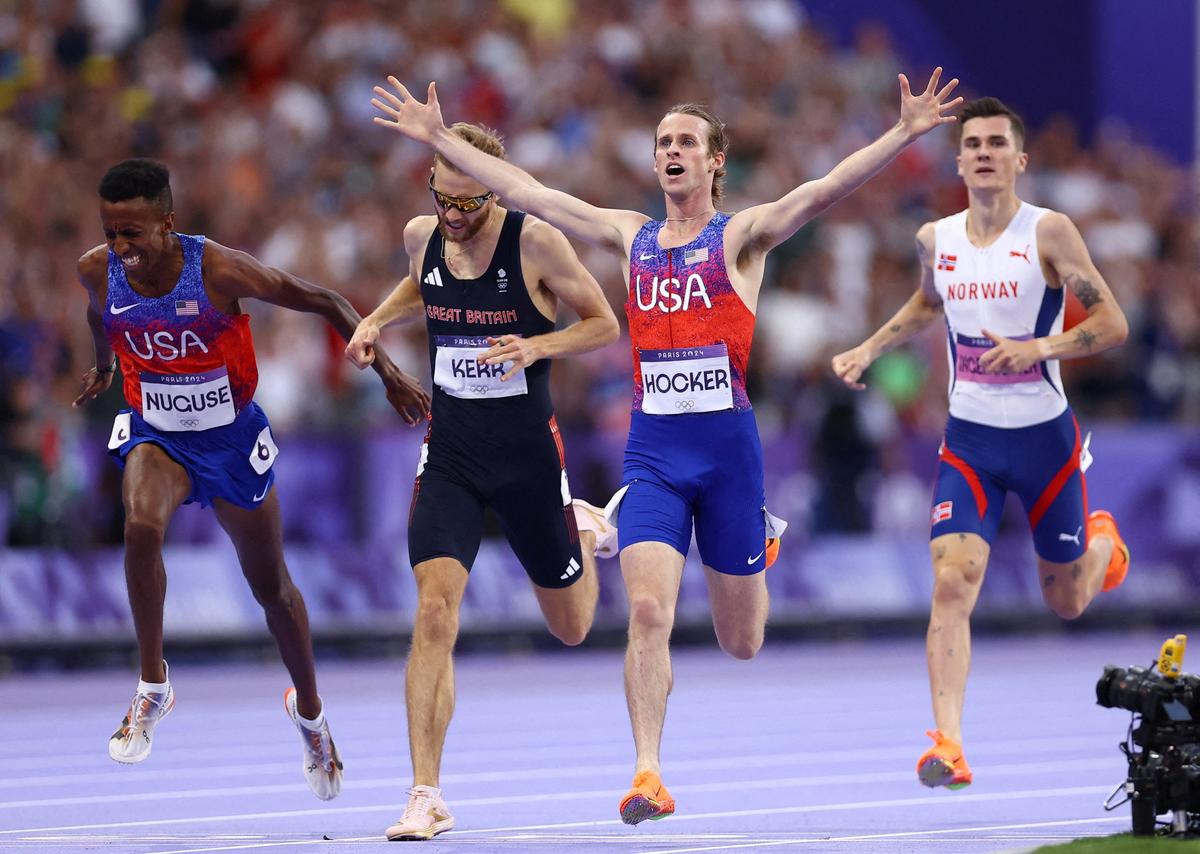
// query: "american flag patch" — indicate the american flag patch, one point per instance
point(186, 306)
point(946, 262)
point(695, 256)
point(942, 511)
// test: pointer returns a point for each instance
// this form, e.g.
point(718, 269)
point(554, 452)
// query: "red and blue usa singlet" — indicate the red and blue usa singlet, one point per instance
point(691, 331)
point(188, 366)
point(693, 454)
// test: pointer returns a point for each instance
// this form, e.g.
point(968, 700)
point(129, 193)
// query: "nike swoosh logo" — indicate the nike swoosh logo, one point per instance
point(258, 498)
point(124, 308)
point(647, 257)
point(754, 559)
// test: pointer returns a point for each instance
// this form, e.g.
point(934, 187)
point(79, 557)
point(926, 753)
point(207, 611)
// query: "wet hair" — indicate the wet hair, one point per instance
point(484, 138)
point(984, 108)
point(717, 141)
point(139, 178)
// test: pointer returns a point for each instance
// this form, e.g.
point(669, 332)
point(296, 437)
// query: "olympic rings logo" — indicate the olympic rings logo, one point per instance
point(189, 423)
point(479, 389)
point(685, 405)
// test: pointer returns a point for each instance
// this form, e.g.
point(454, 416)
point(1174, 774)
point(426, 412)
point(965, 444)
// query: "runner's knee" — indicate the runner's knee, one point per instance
point(741, 642)
point(648, 614)
point(437, 619)
point(956, 581)
point(144, 531)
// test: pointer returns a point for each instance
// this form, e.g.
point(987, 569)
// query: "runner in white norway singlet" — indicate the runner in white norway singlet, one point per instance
point(1000, 288)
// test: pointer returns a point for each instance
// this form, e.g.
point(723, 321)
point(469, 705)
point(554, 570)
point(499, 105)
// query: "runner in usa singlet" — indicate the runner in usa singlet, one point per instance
point(693, 451)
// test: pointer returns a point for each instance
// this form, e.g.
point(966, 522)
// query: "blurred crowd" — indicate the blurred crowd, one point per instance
point(261, 108)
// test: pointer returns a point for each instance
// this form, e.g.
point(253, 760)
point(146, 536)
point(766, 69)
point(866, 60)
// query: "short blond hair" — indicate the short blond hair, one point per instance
point(484, 138)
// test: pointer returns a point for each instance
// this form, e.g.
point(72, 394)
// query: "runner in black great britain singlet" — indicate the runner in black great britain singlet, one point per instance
point(488, 282)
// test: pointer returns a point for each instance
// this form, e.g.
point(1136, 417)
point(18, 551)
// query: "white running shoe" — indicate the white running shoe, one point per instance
point(589, 517)
point(322, 765)
point(131, 742)
point(424, 818)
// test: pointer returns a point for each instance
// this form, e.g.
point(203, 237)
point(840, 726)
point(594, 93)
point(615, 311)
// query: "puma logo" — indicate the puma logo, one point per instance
point(1012, 253)
point(1071, 538)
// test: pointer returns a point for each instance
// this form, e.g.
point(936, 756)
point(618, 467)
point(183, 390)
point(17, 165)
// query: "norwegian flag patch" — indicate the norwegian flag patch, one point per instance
point(942, 511)
point(186, 306)
point(946, 262)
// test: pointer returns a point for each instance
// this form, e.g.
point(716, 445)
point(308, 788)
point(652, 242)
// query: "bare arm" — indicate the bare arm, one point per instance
point(602, 227)
point(98, 378)
point(237, 275)
point(763, 227)
point(560, 270)
point(1064, 253)
point(922, 309)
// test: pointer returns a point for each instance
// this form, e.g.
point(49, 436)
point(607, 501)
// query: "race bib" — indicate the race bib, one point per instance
point(967, 353)
point(689, 379)
point(177, 402)
point(459, 375)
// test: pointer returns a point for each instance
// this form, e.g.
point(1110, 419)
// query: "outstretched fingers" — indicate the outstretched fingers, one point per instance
point(905, 90)
point(399, 87)
point(933, 80)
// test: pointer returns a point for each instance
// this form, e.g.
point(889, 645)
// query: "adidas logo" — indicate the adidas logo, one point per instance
point(572, 568)
point(434, 278)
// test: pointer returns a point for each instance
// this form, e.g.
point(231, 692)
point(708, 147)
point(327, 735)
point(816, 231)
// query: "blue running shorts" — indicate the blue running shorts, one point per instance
point(234, 462)
point(706, 468)
point(978, 465)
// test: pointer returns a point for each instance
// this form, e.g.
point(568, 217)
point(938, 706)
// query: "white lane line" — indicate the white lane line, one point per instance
point(805, 781)
point(928, 800)
point(896, 835)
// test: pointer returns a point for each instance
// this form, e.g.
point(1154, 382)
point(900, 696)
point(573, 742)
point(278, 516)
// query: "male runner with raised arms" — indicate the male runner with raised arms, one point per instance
point(693, 451)
point(996, 273)
point(165, 306)
point(490, 281)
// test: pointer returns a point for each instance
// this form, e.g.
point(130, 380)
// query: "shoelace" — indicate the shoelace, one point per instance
point(419, 805)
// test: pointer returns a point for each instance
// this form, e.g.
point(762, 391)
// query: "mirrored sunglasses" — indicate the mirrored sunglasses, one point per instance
point(466, 204)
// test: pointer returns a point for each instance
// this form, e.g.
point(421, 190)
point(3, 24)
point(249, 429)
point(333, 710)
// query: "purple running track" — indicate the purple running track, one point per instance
point(809, 747)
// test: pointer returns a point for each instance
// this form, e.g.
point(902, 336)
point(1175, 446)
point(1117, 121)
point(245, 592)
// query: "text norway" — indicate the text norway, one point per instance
point(705, 380)
point(179, 402)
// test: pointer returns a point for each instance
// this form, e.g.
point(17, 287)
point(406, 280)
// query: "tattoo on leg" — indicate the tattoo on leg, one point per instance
point(939, 552)
point(935, 629)
point(895, 327)
point(1076, 571)
point(1049, 580)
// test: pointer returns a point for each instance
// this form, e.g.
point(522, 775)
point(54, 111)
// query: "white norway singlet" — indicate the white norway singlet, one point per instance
point(999, 288)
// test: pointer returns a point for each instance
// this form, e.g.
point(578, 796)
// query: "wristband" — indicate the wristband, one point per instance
point(110, 368)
